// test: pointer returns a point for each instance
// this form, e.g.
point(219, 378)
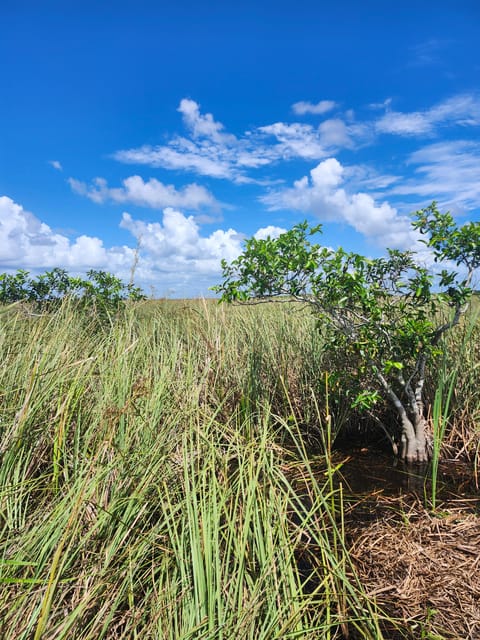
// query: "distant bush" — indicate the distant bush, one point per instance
point(99, 291)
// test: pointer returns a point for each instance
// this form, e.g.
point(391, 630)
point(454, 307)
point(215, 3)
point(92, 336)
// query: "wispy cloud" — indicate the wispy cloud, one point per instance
point(294, 141)
point(461, 110)
point(56, 165)
point(203, 125)
point(445, 171)
point(209, 150)
point(428, 53)
point(151, 193)
point(357, 194)
point(301, 108)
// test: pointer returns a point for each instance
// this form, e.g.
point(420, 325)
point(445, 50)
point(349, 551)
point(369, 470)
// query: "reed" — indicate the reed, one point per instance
point(144, 489)
point(156, 478)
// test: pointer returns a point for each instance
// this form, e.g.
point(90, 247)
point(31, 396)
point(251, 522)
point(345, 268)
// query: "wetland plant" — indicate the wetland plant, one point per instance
point(387, 316)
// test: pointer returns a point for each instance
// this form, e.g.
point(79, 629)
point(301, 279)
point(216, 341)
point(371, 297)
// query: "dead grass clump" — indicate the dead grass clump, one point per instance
point(424, 569)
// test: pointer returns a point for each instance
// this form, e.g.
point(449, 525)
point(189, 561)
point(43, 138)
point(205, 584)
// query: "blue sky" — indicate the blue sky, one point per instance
point(179, 129)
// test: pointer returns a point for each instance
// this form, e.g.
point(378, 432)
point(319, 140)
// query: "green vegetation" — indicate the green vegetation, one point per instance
point(144, 489)
point(156, 476)
point(100, 292)
point(385, 316)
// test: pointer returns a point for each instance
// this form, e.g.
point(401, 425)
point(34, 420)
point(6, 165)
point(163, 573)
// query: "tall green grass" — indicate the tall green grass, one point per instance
point(456, 400)
point(155, 479)
point(463, 362)
point(144, 488)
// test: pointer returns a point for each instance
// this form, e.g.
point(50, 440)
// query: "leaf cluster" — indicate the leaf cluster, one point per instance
point(100, 290)
point(449, 242)
point(382, 313)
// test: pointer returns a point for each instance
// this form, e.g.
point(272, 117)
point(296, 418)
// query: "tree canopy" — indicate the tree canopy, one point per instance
point(387, 314)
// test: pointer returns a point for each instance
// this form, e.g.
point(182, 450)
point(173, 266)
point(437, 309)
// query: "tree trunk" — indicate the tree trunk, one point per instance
point(415, 447)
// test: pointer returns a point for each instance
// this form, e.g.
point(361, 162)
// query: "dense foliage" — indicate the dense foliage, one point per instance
point(386, 315)
point(100, 290)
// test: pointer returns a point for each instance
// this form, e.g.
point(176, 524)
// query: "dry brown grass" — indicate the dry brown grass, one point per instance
point(422, 568)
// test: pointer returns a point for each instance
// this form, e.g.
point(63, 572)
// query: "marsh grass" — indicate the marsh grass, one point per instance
point(144, 489)
point(463, 362)
point(155, 479)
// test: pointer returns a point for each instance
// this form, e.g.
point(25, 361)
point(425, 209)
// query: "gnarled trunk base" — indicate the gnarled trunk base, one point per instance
point(415, 443)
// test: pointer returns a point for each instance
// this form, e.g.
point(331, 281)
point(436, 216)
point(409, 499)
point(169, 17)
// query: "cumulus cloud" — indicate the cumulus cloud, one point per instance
point(269, 232)
point(174, 254)
point(321, 193)
point(152, 193)
point(180, 255)
point(461, 110)
point(26, 242)
point(175, 257)
point(301, 108)
point(177, 239)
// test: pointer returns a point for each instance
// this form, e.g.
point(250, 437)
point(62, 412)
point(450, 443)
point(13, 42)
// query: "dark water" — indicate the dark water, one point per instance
point(365, 472)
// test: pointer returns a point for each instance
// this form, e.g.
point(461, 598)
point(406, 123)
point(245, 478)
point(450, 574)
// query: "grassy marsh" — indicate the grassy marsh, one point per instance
point(156, 481)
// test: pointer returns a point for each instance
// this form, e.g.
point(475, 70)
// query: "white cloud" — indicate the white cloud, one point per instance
point(211, 151)
point(381, 105)
point(180, 255)
point(269, 232)
point(301, 108)
point(182, 154)
point(56, 165)
point(174, 255)
point(176, 258)
point(178, 238)
point(461, 110)
point(296, 140)
point(202, 125)
point(363, 176)
point(207, 149)
point(26, 242)
point(335, 133)
point(427, 53)
point(152, 193)
point(405, 124)
point(322, 195)
point(447, 172)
